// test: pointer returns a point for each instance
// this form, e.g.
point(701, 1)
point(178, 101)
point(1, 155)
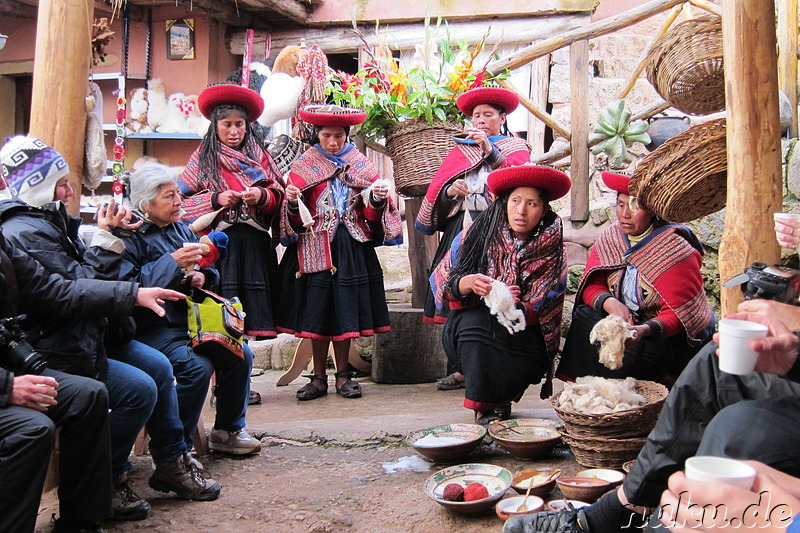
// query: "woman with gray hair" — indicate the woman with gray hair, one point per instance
point(164, 252)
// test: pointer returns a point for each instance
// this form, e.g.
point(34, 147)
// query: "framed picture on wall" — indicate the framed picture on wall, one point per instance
point(180, 39)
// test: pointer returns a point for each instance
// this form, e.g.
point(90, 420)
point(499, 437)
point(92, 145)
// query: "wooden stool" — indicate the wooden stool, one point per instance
point(200, 440)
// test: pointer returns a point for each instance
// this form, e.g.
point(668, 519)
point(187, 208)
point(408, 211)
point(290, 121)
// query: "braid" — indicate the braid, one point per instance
point(473, 257)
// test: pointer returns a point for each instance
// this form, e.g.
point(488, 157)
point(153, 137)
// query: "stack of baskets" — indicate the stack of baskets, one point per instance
point(612, 439)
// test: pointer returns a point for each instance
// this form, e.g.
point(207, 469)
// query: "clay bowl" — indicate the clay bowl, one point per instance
point(525, 438)
point(496, 479)
point(615, 477)
point(507, 507)
point(541, 489)
point(560, 505)
point(582, 488)
point(456, 441)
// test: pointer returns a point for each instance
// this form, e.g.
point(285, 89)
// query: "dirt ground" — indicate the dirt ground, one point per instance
point(320, 469)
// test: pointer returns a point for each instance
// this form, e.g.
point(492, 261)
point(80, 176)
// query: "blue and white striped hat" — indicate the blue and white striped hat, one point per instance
point(32, 169)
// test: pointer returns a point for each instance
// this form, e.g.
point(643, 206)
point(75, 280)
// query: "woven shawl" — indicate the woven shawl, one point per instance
point(662, 259)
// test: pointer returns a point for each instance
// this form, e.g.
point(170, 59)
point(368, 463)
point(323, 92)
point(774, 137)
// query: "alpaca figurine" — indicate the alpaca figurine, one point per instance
point(195, 121)
point(156, 103)
point(175, 120)
point(137, 117)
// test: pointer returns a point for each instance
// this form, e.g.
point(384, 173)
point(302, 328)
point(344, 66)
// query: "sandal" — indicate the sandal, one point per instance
point(486, 418)
point(504, 412)
point(350, 388)
point(311, 391)
point(450, 382)
point(254, 398)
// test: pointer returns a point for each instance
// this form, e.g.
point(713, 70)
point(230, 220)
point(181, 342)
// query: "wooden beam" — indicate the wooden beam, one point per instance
point(579, 124)
point(536, 112)
point(590, 31)
point(291, 9)
point(754, 145)
point(11, 9)
point(787, 56)
point(421, 250)
point(342, 40)
point(230, 14)
point(60, 71)
point(540, 87)
point(708, 6)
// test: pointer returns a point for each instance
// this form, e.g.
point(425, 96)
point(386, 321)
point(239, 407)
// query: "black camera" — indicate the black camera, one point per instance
point(22, 357)
point(775, 282)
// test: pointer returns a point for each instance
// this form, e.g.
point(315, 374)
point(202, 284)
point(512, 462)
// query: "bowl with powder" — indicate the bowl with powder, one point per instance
point(448, 443)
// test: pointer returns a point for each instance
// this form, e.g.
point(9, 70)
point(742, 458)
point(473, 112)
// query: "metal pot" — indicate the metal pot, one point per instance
point(663, 128)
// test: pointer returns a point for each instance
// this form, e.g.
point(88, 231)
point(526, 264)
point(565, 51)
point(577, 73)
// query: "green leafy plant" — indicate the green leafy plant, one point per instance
point(614, 133)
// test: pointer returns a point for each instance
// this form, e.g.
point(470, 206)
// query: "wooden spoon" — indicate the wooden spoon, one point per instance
point(522, 507)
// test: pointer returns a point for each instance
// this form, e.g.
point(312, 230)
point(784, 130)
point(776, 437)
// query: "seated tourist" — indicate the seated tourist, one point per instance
point(647, 272)
point(517, 241)
point(156, 255)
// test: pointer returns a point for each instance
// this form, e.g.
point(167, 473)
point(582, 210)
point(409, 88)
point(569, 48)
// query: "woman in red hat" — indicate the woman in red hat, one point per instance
point(458, 191)
point(337, 212)
point(511, 259)
point(647, 272)
point(232, 175)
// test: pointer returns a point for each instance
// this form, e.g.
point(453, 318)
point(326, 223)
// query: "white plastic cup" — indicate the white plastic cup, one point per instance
point(735, 355)
point(45, 395)
point(779, 217)
point(712, 469)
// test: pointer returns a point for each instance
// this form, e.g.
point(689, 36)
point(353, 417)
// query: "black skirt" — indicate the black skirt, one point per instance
point(659, 360)
point(348, 303)
point(429, 313)
point(250, 271)
point(498, 366)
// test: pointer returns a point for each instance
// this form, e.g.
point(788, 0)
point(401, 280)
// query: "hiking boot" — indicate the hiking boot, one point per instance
point(236, 443)
point(571, 521)
point(183, 477)
point(127, 504)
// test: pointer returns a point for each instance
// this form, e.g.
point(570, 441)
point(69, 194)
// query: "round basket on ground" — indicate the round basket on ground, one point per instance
point(686, 177)
point(628, 423)
point(417, 150)
point(600, 452)
point(685, 66)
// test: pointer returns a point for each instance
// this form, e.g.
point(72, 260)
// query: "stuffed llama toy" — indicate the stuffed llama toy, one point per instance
point(137, 116)
point(501, 304)
point(175, 120)
point(195, 121)
point(156, 103)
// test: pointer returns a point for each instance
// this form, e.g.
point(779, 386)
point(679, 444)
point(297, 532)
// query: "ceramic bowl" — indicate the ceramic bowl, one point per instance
point(582, 488)
point(541, 489)
point(560, 505)
point(507, 507)
point(496, 479)
point(455, 442)
point(615, 477)
point(525, 438)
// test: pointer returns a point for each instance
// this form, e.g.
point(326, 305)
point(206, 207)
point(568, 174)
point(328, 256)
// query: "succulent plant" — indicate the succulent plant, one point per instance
point(614, 133)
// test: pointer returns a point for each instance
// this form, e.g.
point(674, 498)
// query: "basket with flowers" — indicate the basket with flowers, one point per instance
point(413, 107)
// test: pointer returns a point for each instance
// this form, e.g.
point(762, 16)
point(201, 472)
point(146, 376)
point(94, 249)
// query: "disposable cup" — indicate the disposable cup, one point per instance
point(735, 355)
point(786, 216)
point(712, 469)
point(191, 244)
point(45, 395)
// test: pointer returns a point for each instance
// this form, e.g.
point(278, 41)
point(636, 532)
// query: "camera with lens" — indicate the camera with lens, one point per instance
point(768, 282)
point(22, 357)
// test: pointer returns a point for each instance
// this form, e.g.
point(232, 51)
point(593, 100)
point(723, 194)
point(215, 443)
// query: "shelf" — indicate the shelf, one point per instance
point(154, 136)
point(113, 76)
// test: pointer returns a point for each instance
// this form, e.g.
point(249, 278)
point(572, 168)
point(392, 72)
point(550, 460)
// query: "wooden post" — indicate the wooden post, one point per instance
point(787, 56)
point(754, 148)
point(421, 249)
point(579, 124)
point(540, 87)
point(60, 82)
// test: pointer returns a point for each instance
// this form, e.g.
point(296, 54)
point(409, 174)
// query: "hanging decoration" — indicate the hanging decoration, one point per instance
point(118, 166)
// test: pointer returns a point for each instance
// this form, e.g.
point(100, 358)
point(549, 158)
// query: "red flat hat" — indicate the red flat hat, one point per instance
point(548, 178)
point(616, 181)
point(332, 115)
point(228, 93)
point(506, 99)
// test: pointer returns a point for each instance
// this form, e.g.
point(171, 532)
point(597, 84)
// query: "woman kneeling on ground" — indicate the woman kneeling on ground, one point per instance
point(648, 272)
point(517, 241)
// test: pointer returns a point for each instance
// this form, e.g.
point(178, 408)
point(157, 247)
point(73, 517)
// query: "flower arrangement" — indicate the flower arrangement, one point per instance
point(391, 92)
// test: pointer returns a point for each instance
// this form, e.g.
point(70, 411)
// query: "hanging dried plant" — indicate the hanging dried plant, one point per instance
point(101, 36)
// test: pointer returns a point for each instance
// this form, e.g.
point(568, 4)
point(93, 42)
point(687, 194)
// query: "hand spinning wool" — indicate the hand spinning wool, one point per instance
point(594, 395)
point(501, 304)
point(611, 332)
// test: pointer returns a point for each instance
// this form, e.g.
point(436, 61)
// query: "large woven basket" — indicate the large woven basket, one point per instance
point(685, 66)
point(417, 150)
point(686, 177)
point(600, 452)
point(629, 423)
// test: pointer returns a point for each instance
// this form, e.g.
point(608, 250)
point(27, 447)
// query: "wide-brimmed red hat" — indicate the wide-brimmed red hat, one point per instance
point(506, 99)
point(616, 181)
point(548, 178)
point(331, 115)
point(228, 93)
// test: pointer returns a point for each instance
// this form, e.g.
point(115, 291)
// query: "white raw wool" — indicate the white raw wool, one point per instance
point(611, 332)
point(501, 304)
point(595, 395)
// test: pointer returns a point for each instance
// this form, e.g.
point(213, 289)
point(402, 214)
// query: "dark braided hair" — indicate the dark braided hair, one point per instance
point(211, 145)
point(473, 257)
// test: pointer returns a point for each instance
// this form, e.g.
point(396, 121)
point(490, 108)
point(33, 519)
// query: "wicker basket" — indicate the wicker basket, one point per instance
point(629, 423)
point(599, 452)
point(417, 150)
point(685, 66)
point(686, 177)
